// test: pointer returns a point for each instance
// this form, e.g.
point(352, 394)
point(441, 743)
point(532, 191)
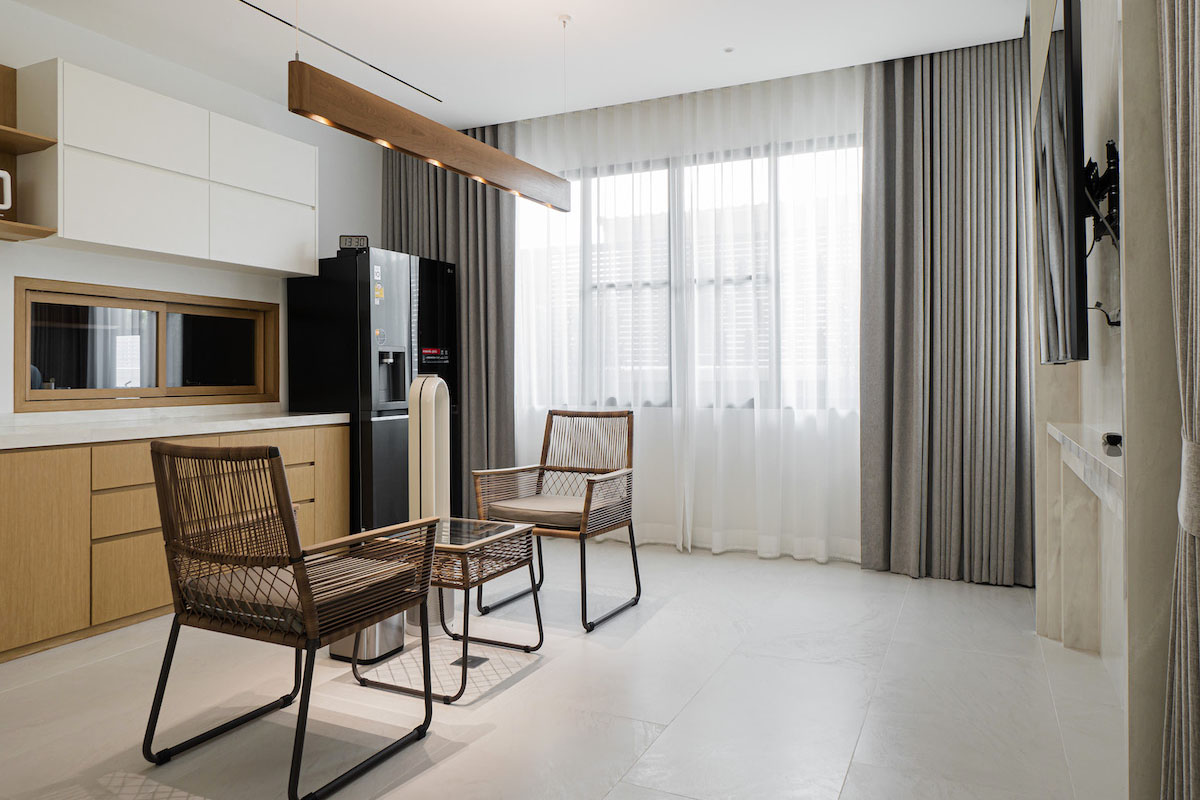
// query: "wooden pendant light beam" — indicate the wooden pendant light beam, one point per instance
point(340, 104)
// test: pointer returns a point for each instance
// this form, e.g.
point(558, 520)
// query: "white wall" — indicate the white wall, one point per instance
point(1091, 391)
point(1101, 381)
point(350, 178)
point(1151, 381)
point(1132, 372)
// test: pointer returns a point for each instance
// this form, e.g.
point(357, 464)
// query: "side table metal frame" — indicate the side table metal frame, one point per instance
point(453, 570)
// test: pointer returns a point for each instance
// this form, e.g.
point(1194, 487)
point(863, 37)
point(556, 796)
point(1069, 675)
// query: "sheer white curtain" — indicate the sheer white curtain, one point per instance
point(707, 277)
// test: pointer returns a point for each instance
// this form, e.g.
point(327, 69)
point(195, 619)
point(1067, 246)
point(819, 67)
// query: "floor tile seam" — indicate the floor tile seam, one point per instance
point(874, 686)
point(653, 789)
point(674, 717)
point(1062, 742)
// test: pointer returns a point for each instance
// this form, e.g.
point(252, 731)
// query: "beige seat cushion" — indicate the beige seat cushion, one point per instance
point(260, 596)
point(268, 597)
point(548, 510)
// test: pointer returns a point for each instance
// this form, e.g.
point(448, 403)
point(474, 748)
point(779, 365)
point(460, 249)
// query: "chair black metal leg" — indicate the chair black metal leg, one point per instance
point(537, 612)
point(166, 754)
point(302, 719)
point(364, 766)
point(590, 626)
point(517, 595)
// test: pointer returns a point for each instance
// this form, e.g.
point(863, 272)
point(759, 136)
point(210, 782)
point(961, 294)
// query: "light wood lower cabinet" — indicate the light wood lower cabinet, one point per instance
point(80, 538)
point(124, 511)
point(128, 463)
point(130, 509)
point(295, 444)
point(129, 575)
point(300, 480)
point(306, 523)
point(44, 557)
point(332, 477)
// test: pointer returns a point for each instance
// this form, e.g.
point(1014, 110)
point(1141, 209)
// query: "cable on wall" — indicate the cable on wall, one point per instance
point(347, 53)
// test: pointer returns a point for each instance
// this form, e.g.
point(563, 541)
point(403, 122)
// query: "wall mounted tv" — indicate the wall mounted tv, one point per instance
point(1058, 183)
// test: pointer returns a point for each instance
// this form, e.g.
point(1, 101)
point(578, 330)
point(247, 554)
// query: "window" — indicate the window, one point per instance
point(77, 345)
point(734, 276)
point(211, 347)
point(820, 208)
point(102, 347)
point(727, 217)
point(627, 287)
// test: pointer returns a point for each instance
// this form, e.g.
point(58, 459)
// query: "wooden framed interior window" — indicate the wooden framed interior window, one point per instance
point(80, 346)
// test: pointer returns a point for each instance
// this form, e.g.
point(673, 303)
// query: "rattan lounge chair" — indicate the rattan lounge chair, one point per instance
point(237, 567)
point(582, 488)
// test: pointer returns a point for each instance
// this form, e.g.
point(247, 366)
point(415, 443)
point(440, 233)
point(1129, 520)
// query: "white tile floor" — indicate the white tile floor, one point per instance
point(734, 678)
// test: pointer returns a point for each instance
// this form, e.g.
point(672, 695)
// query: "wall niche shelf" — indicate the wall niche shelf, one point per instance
point(11, 231)
point(18, 142)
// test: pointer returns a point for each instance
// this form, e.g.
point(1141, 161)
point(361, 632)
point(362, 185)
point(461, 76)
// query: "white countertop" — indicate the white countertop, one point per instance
point(1087, 439)
point(1083, 452)
point(49, 429)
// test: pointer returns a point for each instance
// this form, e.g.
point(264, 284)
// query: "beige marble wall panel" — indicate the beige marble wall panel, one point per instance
point(1080, 563)
point(1048, 541)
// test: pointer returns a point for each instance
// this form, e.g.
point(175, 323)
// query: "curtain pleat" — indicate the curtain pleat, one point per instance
point(1179, 38)
point(947, 466)
point(433, 213)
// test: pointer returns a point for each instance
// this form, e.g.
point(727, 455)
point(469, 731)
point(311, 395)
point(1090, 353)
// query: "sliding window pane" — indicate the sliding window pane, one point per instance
point(727, 247)
point(627, 316)
point(820, 198)
point(210, 350)
point(91, 347)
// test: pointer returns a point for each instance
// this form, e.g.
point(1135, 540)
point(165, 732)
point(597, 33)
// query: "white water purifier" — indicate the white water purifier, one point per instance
point(429, 468)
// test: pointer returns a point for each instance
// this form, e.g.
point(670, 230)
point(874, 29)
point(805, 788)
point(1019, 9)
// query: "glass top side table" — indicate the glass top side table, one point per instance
point(468, 553)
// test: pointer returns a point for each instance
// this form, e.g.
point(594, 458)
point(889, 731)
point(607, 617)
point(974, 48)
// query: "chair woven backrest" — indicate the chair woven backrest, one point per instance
point(233, 550)
point(582, 443)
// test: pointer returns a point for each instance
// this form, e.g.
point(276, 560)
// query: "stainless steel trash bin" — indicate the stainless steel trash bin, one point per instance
point(379, 641)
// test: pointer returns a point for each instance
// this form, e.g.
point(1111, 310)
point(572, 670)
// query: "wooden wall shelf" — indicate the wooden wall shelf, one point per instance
point(18, 143)
point(11, 231)
point(15, 142)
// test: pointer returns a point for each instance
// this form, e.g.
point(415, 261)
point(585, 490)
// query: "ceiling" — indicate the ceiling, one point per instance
point(499, 60)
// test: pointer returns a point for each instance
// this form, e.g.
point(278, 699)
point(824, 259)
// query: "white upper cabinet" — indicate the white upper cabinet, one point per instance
point(125, 204)
point(262, 231)
point(160, 178)
point(109, 116)
point(262, 161)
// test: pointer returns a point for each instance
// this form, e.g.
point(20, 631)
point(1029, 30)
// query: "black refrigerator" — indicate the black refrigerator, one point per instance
point(358, 333)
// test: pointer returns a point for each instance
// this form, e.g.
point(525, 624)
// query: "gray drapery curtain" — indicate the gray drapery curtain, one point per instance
point(433, 213)
point(946, 370)
point(1179, 37)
